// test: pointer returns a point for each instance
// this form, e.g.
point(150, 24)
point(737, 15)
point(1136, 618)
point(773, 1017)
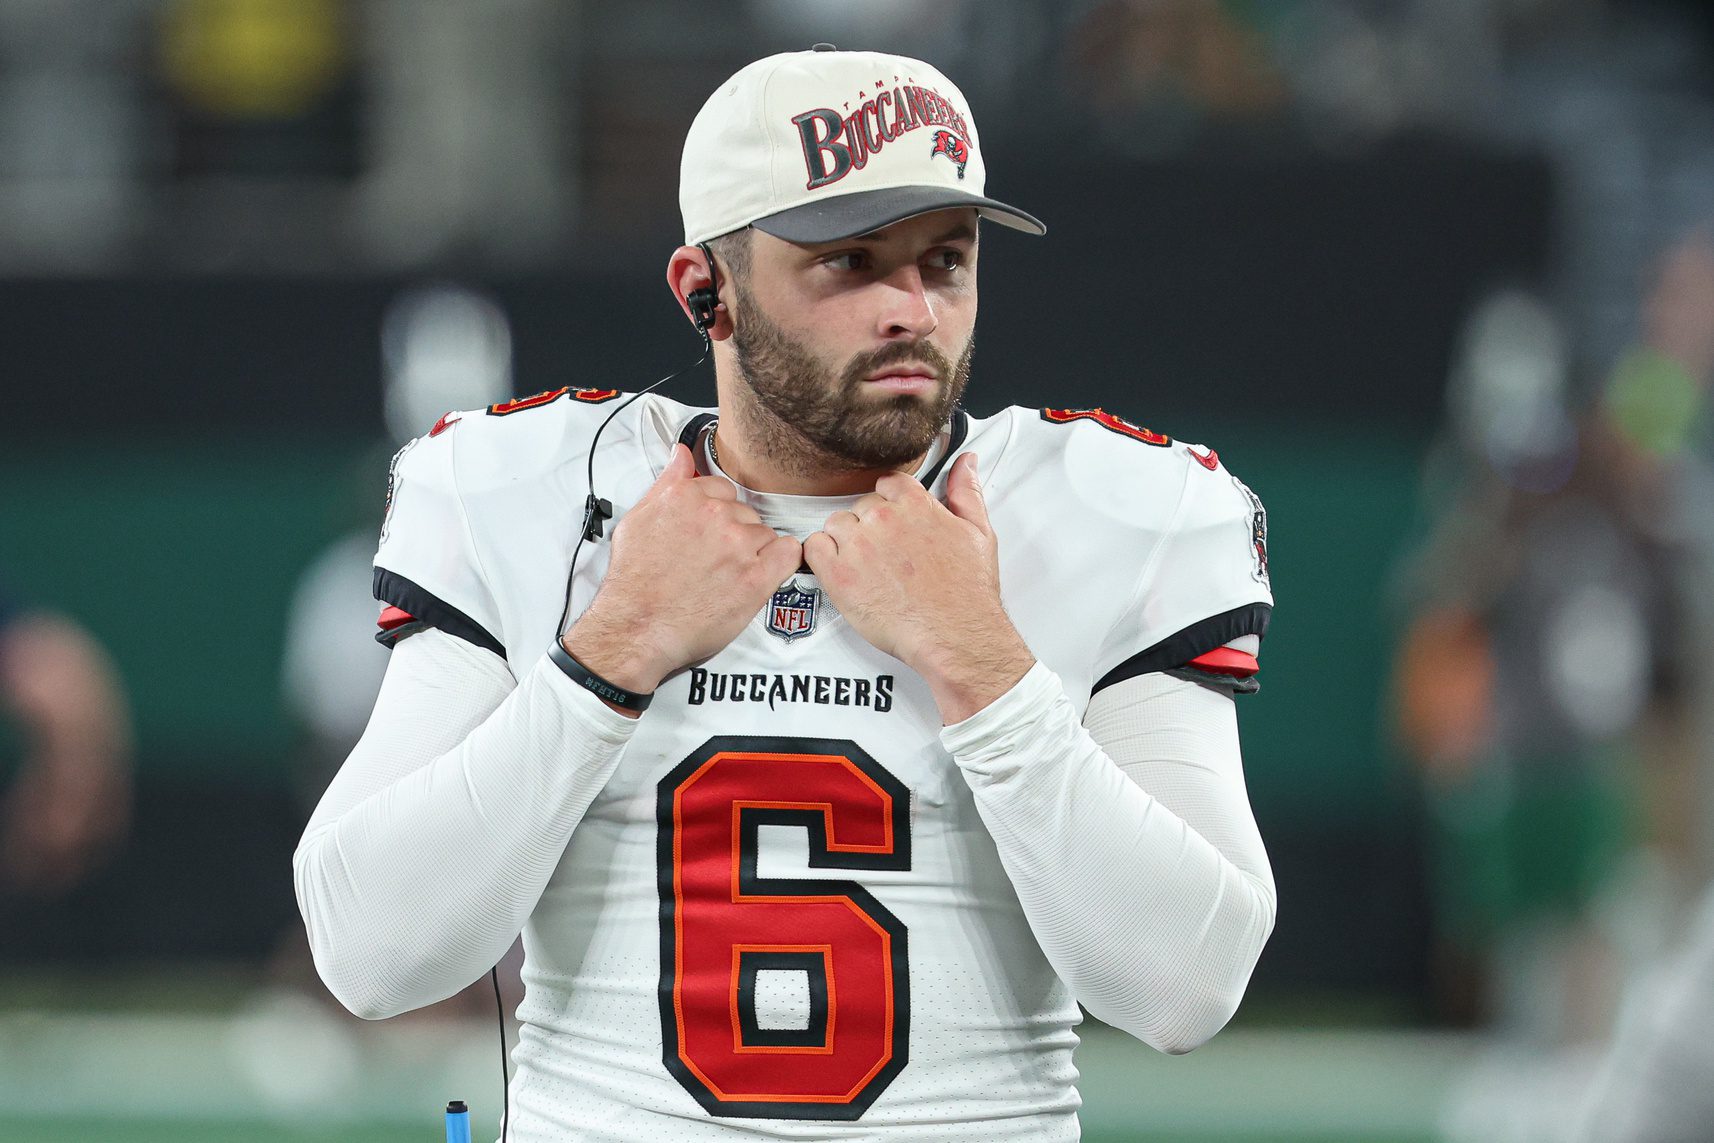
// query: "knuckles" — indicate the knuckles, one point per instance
point(761, 578)
point(751, 538)
point(896, 484)
point(818, 548)
point(714, 512)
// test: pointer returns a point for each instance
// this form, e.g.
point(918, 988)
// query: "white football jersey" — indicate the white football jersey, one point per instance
point(783, 912)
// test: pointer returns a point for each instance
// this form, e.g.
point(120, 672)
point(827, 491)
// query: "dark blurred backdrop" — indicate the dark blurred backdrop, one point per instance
point(1267, 222)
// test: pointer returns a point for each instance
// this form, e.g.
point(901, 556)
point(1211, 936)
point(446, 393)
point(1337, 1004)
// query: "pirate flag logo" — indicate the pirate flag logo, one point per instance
point(954, 148)
point(1258, 535)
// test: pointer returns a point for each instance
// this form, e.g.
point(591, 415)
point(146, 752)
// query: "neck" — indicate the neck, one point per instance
point(777, 459)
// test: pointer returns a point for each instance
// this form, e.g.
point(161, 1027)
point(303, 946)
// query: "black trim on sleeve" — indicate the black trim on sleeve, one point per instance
point(393, 588)
point(1198, 639)
point(390, 638)
point(1214, 681)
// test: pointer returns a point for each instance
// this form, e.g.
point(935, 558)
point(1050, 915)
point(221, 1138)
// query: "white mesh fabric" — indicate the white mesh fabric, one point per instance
point(432, 845)
point(1131, 846)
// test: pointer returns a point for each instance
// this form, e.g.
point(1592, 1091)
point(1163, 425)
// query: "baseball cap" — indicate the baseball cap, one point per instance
point(822, 145)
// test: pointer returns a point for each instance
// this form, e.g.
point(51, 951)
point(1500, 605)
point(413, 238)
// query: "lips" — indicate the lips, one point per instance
point(913, 378)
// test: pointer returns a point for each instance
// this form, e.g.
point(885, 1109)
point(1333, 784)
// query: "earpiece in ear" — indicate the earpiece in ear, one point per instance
point(704, 301)
point(702, 306)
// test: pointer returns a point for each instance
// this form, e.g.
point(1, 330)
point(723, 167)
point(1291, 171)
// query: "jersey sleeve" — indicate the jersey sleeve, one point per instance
point(1204, 596)
point(427, 570)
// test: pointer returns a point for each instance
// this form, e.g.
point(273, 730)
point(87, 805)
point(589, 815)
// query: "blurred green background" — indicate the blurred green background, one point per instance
point(1273, 227)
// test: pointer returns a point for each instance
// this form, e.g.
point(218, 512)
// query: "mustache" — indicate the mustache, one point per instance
point(919, 353)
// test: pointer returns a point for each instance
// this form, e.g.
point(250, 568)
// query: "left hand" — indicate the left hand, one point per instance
point(921, 581)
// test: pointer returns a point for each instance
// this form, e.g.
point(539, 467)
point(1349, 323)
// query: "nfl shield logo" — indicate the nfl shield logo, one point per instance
point(791, 612)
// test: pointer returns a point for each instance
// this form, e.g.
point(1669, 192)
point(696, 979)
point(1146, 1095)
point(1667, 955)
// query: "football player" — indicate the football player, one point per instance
point(868, 741)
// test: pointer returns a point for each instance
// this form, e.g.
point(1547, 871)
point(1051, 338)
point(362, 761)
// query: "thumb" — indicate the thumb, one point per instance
point(681, 464)
point(964, 493)
point(781, 557)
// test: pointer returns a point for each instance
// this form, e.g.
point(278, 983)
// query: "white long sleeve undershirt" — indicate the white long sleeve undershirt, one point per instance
point(432, 846)
point(1130, 843)
point(434, 842)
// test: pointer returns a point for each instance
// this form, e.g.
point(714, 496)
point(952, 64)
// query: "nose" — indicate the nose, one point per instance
point(908, 313)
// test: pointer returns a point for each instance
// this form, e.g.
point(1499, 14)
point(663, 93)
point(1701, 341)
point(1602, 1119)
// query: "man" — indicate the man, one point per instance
point(914, 778)
point(68, 807)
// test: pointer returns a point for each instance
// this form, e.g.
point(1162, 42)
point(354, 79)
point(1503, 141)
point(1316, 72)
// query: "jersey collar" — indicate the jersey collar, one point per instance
point(958, 428)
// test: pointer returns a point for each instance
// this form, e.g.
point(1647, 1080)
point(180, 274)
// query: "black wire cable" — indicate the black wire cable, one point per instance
point(593, 505)
point(505, 1067)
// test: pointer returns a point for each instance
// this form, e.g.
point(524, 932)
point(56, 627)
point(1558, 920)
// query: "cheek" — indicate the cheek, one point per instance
point(957, 314)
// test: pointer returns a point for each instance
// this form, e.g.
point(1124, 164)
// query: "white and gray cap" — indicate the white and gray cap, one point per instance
point(823, 145)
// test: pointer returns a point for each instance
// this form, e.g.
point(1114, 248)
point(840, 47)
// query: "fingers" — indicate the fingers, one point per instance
point(754, 538)
point(818, 551)
point(680, 465)
point(742, 514)
point(842, 522)
point(964, 493)
point(780, 557)
point(870, 506)
point(715, 489)
point(679, 478)
point(681, 469)
point(898, 486)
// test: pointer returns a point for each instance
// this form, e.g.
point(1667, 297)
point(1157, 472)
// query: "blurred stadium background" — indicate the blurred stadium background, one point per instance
point(1433, 275)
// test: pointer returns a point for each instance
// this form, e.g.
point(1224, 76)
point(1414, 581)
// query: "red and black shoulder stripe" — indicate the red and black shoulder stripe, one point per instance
point(536, 401)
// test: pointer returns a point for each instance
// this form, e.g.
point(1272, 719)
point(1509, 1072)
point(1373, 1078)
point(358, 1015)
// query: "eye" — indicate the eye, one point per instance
point(847, 260)
point(946, 259)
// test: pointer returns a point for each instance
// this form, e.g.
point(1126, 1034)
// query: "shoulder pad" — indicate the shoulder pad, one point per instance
point(520, 439)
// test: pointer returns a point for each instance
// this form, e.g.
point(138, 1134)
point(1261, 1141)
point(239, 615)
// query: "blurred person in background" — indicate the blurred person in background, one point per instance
point(1655, 1083)
point(68, 807)
point(1655, 1079)
point(443, 347)
point(1154, 72)
point(1547, 684)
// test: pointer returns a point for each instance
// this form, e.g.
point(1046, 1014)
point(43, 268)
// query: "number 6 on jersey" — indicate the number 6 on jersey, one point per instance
point(723, 925)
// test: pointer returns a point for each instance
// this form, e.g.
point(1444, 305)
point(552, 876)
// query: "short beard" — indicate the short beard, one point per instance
point(808, 421)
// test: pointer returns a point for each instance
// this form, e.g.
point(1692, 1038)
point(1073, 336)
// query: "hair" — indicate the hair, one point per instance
point(733, 250)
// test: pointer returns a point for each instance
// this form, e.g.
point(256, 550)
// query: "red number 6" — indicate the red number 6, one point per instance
point(722, 923)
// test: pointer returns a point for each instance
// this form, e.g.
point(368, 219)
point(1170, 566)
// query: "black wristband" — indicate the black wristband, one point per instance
point(594, 683)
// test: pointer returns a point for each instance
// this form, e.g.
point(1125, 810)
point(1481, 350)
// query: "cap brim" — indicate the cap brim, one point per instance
point(864, 212)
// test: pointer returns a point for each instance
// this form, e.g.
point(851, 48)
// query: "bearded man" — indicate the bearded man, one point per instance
point(871, 740)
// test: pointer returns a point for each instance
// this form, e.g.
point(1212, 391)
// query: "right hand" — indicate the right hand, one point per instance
point(691, 566)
